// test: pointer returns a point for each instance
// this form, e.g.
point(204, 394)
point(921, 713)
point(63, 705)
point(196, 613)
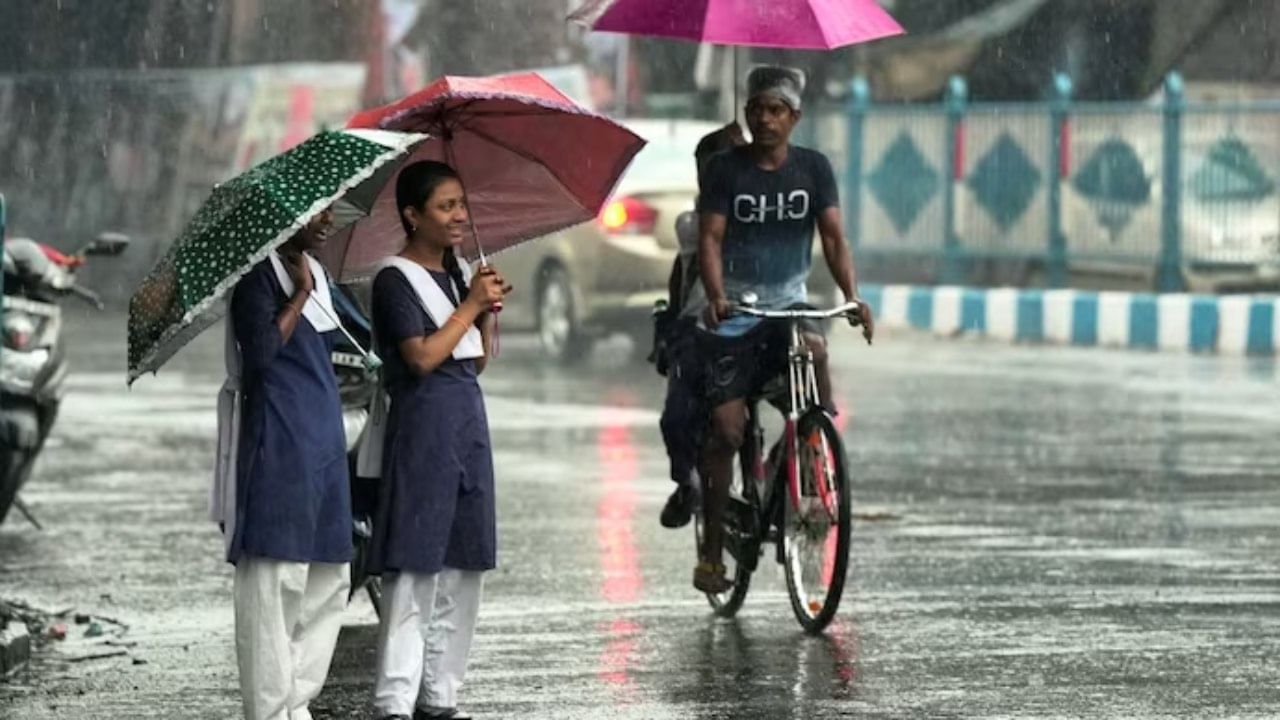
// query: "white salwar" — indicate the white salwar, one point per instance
point(288, 615)
point(428, 623)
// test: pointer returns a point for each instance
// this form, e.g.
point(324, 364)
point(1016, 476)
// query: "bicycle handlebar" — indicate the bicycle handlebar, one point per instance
point(849, 310)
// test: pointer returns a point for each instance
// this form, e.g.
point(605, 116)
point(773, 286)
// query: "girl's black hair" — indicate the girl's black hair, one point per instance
point(414, 187)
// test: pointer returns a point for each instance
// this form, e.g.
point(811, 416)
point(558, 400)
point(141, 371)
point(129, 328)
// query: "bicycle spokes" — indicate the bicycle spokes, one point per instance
point(817, 498)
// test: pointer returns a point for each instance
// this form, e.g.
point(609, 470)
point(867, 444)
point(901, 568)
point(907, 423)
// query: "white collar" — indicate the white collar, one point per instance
point(438, 305)
point(318, 309)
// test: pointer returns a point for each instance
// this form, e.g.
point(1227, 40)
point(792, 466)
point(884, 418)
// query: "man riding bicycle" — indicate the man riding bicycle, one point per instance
point(759, 206)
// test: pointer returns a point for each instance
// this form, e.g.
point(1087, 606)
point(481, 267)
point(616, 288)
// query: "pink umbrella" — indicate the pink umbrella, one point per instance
point(532, 162)
point(800, 24)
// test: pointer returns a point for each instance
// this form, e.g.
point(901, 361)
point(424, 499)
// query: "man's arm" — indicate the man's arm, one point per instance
point(713, 220)
point(835, 249)
point(711, 266)
point(840, 260)
point(676, 279)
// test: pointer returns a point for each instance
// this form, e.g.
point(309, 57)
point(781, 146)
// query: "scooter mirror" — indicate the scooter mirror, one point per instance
point(108, 243)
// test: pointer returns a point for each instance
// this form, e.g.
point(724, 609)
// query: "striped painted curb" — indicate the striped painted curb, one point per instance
point(1228, 324)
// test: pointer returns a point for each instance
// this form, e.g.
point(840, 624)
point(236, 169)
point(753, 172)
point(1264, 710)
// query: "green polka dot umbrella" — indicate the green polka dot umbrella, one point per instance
point(243, 220)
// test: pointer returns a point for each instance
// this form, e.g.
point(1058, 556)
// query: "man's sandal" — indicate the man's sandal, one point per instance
point(710, 578)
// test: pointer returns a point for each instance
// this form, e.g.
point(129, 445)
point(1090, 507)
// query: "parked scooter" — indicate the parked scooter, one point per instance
point(33, 364)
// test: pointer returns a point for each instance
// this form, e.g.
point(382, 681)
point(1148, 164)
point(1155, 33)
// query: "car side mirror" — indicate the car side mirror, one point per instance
point(108, 244)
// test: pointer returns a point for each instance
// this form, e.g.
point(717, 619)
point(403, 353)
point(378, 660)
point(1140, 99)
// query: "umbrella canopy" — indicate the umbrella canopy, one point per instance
point(799, 24)
point(242, 221)
point(531, 161)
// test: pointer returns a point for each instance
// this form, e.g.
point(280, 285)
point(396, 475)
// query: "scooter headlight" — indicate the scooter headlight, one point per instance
point(19, 370)
point(25, 322)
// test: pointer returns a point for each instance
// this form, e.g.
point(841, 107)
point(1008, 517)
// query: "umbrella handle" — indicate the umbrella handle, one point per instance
point(497, 309)
point(484, 263)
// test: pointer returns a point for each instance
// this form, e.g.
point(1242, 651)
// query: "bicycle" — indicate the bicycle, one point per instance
point(809, 463)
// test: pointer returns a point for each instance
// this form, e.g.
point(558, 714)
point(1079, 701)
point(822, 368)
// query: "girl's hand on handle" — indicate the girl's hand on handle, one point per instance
point(486, 291)
point(491, 270)
point(506, 287)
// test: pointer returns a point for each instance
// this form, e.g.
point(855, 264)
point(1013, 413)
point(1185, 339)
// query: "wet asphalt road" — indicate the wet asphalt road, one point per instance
point(1062, 534)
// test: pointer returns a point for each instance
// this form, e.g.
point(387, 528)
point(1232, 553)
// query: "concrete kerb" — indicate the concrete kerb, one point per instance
point(1229, 325)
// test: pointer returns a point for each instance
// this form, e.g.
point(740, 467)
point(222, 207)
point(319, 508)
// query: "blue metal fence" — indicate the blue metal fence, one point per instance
point(1169, 191)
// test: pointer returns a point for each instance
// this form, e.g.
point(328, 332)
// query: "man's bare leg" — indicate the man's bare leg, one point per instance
point(728, 422)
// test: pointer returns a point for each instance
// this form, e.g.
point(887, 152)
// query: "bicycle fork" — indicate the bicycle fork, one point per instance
point(803, 385)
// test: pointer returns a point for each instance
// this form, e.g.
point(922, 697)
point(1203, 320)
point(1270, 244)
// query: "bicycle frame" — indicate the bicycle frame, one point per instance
point(802, 395)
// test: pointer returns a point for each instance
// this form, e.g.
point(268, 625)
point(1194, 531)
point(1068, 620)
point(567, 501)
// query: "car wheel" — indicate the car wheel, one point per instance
point(559, 329)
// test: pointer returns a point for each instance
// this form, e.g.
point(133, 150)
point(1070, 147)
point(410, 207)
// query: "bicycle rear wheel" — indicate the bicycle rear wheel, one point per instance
point(816, 524)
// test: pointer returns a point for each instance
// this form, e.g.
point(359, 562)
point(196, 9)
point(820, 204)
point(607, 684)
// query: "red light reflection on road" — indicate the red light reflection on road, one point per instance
point(621, 581)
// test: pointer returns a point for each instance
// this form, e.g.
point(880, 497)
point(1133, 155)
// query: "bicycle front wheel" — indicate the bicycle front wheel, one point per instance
point(816, 523)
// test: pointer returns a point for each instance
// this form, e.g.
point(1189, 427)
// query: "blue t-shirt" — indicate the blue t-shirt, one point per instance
point(771, 218)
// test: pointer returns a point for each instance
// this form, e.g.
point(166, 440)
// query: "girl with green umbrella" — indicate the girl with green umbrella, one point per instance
point(292, 539)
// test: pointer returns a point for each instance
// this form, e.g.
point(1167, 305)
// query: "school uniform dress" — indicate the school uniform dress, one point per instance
point(434, 532)
point(283, 494)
